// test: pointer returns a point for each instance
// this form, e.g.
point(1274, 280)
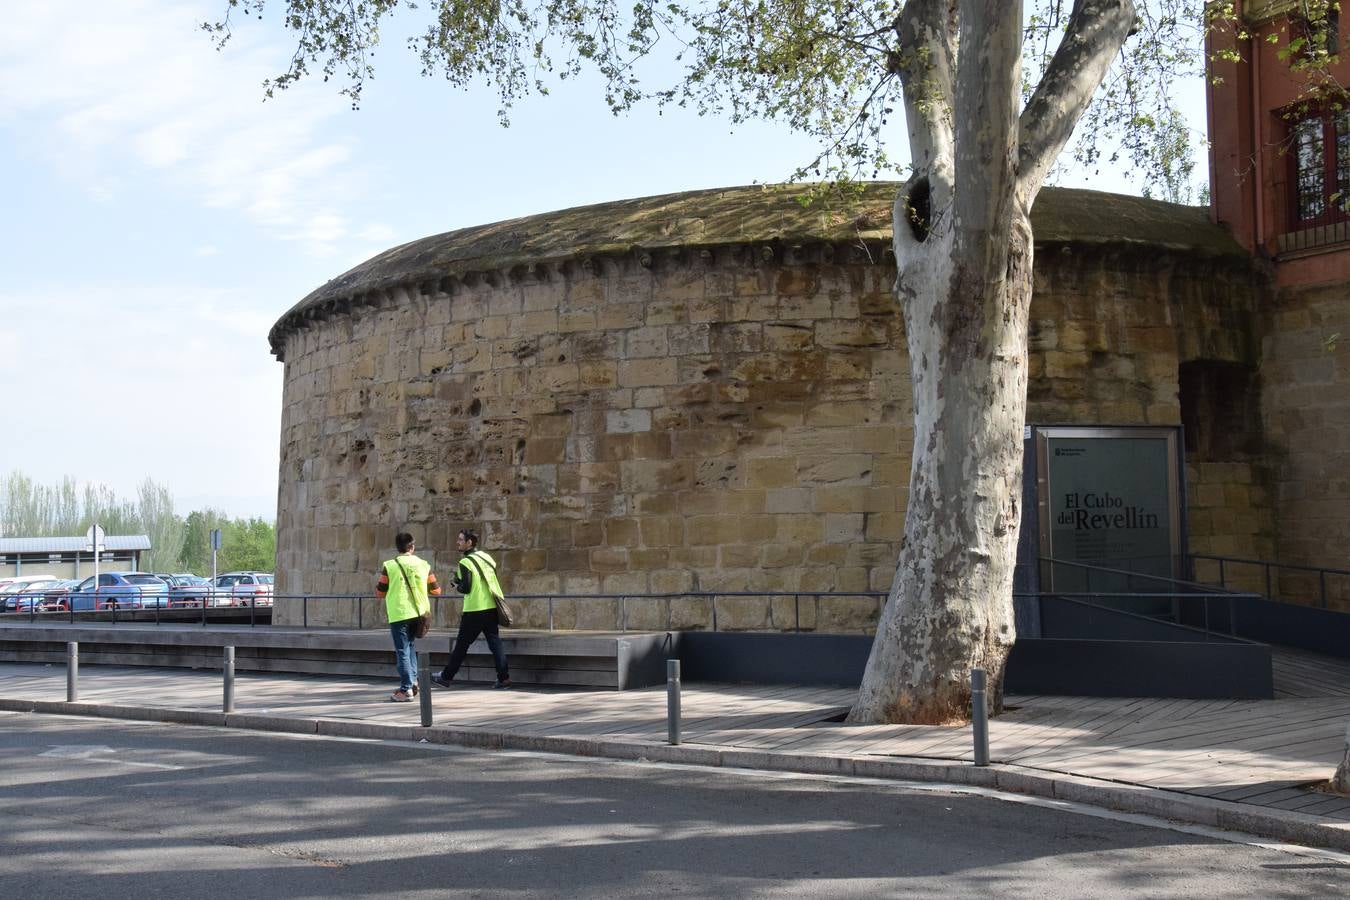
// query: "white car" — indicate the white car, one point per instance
point(242, 589)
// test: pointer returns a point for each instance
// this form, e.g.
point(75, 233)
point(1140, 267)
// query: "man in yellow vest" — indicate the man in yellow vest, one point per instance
point(476, 579)
point(407, 585)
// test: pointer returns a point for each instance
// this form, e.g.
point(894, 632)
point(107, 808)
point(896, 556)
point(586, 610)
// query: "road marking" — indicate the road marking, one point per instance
point(100, 752)
point(77, 751)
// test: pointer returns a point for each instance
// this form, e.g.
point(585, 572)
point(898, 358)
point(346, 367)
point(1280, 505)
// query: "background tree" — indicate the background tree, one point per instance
point(197, 527)
point(249, 545)
point(165, 529)
point(29, 509)
point(983, 133)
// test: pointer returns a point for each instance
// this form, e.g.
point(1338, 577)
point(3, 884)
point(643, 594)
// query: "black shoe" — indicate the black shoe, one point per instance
point(439, 681)
point(503, 684)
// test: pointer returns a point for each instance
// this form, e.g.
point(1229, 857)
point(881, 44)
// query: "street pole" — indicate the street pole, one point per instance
point(673, 701)
point(979, 716)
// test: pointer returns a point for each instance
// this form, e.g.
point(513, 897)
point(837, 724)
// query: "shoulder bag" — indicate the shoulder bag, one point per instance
point(422, 626)
point(504, 616)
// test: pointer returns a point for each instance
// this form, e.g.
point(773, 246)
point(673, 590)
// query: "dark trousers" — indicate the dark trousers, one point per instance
point(472, 624)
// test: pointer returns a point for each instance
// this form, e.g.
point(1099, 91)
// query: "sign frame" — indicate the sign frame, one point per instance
point(1176, 506)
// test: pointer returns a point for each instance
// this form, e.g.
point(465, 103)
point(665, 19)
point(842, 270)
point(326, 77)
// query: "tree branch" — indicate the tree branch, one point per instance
point(1097, 30)
point(988, 86)
point(927, 33)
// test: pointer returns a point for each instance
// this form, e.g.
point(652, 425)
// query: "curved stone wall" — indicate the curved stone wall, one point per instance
point(719, 401)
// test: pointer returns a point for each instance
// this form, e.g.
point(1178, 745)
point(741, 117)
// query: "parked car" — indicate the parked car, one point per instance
point(55, 597)
point(119, 590)
point(242, 589)
point(17, 594)
point(188, 589)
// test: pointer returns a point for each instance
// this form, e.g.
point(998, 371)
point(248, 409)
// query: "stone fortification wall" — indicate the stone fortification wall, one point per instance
point(722, 404)
point(1306, 409)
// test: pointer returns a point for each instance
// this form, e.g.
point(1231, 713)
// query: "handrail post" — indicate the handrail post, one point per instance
point(229, 680)
point(1268, 592)
point(72, 671)
point(360, 608)
point(304, 611)
point(1223, 583)
point(673, 701)
point(1322, 577)
point(714, 612)
point(979, 717)
point(623, 613)
point(550, 612)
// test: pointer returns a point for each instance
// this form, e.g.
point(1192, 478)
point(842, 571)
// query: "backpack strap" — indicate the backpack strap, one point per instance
point(411, 593)
point(475, 562)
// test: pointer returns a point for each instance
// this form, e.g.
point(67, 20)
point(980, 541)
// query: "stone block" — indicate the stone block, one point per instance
point(833, 415)
point(662, 531)
point(834, 469)
point(625, 421)
point(647, 475)
point(619, 317)
point(728, 529)
point(645, 372)
point(776, 556)
point(788, 500)
point(671, 581)
point(608, 560)
point(787, 336)
point(701, 443)
point(842, 528)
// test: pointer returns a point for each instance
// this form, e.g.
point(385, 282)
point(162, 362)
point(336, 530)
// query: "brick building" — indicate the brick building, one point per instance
point(1280, 180)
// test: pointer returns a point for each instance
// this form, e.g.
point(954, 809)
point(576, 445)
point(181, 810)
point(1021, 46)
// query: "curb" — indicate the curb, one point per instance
point(1279, 825)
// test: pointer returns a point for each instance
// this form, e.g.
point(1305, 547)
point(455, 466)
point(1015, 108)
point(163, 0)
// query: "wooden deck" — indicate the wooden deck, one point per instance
point(1299, 673)
point(1263, 752)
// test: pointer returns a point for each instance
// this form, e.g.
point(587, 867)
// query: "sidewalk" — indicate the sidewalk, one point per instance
point(1250, 766)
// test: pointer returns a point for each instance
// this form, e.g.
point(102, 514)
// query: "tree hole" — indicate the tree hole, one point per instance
point(918, 209)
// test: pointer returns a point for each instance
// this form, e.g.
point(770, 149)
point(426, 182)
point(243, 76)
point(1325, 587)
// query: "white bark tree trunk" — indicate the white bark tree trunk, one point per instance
point(950, 605)
point(963, 246)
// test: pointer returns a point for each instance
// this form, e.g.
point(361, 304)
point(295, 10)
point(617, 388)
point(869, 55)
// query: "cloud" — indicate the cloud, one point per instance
point(9, 350)
point(143, 383)
point(108, 90)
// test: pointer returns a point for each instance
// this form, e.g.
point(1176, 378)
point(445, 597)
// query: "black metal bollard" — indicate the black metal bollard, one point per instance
point(72, 671)
point(673, 701)
point(229, 680)
point(979, 717)
point(424, 685)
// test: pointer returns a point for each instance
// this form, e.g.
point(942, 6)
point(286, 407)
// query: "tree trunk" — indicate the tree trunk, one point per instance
point(950, 607)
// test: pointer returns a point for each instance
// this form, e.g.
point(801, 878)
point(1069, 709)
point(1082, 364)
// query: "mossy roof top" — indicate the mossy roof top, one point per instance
point(755, 214)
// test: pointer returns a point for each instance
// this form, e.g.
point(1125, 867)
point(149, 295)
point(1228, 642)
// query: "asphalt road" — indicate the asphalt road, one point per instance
point(111, 809)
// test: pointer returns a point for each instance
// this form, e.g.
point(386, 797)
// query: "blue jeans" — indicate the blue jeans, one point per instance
point(405, 657)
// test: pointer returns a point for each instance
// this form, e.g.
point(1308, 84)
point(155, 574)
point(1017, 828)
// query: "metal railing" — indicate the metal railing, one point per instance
point(1194, 610)
point(127, 604)
point(1177, 600)
point(1269, 576)
point(781, 611)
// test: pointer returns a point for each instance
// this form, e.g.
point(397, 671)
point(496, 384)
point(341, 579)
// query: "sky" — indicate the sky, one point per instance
point(162, 216)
